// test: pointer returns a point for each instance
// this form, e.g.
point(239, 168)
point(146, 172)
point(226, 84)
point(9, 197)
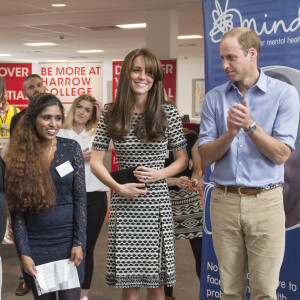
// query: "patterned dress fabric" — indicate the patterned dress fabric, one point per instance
point(187, 207)
point(140, 237)
point(50, 235)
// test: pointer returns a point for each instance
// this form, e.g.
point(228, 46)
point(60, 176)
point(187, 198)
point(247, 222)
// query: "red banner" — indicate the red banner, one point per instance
point(170, 69)
point(117, 65)
point(14, 75)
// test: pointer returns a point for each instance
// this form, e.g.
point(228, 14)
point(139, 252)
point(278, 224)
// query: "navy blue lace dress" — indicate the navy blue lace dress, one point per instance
point(50, 235)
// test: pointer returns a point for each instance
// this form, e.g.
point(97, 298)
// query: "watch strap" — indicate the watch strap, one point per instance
point(252, 128)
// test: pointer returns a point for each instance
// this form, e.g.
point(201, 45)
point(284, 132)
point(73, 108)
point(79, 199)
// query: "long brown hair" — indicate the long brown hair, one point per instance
point(28, 183)
point(153, 123)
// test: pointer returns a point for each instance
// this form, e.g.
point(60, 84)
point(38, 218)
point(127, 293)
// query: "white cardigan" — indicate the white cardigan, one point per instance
point(85, 140)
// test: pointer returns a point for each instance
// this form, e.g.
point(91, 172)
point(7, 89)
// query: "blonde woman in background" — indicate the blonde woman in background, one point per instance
point(80, 125)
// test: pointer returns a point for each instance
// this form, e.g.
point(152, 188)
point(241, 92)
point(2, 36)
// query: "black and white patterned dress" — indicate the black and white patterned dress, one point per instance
point(187, 207)
point(140, 238)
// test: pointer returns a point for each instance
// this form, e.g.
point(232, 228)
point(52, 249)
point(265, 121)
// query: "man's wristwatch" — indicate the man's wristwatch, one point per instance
point(252, 128)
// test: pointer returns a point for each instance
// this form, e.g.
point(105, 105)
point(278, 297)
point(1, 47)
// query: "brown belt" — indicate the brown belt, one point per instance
point(241, 190)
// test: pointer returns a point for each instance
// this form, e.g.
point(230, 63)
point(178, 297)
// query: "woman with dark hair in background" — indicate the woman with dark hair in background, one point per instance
point(48, 208)
point(142, 127)
point(186, 204)
point(80, 125)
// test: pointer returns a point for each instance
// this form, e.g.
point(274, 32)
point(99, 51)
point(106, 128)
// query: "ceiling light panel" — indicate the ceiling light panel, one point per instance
point(132, 26)
point(58, 5)
point(187, 37)
point(90, 51)
point(39, 44)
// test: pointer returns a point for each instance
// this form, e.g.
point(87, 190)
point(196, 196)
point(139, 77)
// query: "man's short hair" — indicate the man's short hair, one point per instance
point(31, 76)
point(247, 38)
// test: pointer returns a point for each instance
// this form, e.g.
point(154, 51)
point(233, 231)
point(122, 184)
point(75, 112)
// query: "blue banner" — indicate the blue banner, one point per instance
point(277, 23)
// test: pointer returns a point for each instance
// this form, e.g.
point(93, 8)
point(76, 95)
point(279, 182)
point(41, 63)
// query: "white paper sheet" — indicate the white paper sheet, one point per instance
point(55, 276)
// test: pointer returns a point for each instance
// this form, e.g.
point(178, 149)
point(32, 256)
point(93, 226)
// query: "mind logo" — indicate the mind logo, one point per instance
point(226, 19)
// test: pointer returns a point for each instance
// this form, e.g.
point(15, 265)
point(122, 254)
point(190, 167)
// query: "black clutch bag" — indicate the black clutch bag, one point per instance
point(124, 176)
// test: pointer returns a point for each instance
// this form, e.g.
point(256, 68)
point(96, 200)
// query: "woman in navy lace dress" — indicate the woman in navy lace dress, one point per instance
point(48, 207)
point(80, 125)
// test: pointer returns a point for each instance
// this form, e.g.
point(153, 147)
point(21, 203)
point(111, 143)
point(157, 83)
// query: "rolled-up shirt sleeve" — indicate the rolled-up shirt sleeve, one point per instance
point(208, 128)
point(287, 120)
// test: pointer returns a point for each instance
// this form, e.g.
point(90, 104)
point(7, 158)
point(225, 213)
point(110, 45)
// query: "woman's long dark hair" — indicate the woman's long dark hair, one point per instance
point(28, 183)
point(153, 123)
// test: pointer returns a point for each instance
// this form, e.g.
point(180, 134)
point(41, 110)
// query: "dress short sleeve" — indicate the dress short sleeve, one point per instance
point(176, 139)
point(102, 137)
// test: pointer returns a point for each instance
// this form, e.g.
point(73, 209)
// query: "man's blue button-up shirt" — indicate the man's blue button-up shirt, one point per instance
point(274, 105)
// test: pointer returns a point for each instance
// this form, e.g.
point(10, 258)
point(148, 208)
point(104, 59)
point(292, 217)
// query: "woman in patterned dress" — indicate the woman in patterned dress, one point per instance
point(186, 204)
point(143, 127)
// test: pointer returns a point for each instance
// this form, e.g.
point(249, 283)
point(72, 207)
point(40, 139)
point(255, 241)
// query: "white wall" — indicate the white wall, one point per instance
point(187, 70)
point(35, 68)
point(107, 77)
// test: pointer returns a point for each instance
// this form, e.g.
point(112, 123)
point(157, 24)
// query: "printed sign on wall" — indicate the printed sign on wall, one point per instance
point(170, 68)
point(117, 66)
point(14, 75)
point(68, 81)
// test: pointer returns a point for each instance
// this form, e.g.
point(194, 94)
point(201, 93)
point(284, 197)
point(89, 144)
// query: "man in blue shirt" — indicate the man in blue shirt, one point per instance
point(248, 129)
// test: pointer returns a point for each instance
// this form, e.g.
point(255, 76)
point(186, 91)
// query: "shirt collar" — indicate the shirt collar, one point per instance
point(83, 133)
point(3, 112)
point(261, 83)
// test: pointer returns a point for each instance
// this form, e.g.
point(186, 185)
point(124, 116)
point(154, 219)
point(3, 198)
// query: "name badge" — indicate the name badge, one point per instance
point(167, 154)
point(64, 169)
point(4, 125)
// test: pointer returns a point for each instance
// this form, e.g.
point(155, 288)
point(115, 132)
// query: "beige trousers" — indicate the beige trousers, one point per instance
point(248, 229)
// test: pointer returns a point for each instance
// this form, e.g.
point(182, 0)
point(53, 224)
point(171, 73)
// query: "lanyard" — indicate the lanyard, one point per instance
point(5, 117)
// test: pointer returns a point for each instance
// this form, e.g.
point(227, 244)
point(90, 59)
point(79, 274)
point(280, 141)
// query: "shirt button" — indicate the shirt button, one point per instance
point(239, 179)
point(241, 146)
point(240, 162)
point(242, 129)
